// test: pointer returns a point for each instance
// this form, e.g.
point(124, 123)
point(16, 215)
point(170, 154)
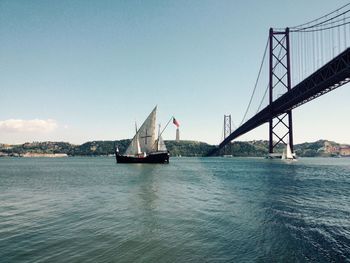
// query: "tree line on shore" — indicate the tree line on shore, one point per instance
point(183, 148)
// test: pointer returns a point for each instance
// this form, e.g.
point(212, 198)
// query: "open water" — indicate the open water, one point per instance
point(192, 210)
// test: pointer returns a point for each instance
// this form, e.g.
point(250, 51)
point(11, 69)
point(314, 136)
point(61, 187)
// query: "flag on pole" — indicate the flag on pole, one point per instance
point(177, 124)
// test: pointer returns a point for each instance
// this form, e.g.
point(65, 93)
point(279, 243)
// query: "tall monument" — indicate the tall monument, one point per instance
point(177, 124)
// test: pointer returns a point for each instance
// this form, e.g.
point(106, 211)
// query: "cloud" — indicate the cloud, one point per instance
point(36, 125)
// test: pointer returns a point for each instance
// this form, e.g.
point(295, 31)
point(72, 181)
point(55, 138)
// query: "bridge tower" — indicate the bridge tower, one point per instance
point(227, 132)
point(280, 127)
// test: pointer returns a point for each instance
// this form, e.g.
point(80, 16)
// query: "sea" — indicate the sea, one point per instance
point(90, 209)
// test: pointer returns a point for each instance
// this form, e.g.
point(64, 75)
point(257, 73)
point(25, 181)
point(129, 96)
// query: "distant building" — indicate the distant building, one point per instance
point(344, 150)
point(93, 148)
point(177, 135)
point(328, 148)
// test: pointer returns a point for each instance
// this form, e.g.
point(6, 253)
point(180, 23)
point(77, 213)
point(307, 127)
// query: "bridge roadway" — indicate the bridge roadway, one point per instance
point(329, 77)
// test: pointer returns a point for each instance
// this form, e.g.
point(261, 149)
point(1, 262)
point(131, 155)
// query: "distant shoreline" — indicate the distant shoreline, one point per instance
point(257, 148)
point(111, 156)
point(47, 155)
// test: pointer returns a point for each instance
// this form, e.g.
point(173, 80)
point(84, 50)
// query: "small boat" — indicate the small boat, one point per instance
point(145, 146)
point(287, 154)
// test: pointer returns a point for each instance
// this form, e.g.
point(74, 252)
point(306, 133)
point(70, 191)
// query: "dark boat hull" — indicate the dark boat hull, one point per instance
point(159, 157)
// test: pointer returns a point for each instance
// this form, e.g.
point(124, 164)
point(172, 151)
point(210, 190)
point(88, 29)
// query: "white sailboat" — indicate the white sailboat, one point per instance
point(287, 154)
point(146, 146)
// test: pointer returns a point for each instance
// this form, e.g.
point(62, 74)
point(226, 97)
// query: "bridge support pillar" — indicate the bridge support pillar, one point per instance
point(227, 132)
point(280, 127)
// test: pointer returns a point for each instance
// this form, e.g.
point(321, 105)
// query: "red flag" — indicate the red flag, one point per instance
point(177, 124)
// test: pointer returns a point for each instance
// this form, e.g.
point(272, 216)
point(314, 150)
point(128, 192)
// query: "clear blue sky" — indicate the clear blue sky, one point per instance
point(86, 70)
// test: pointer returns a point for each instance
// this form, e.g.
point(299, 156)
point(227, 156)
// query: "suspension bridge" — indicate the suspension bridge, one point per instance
point(304, 62)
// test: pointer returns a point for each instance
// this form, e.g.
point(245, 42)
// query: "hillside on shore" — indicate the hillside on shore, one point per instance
point(321, 148)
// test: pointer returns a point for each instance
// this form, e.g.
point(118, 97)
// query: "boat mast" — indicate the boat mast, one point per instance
point(158, 137)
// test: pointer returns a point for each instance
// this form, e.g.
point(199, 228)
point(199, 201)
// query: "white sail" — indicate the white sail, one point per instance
point(147, 133)
point(289, 154)
point(134, 148)
point(161, 145)
point(145, 138)
point(138, 145)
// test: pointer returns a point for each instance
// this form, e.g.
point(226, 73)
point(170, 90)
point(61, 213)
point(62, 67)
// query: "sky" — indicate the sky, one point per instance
point(82, 70)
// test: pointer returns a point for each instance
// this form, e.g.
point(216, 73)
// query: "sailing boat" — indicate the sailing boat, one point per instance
point(145, 147)
point(287, 154)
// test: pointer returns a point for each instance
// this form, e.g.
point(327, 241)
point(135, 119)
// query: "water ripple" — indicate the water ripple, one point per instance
point(192, 210)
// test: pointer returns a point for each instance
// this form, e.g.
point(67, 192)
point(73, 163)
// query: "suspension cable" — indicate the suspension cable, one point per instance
point(326, 15)
point(329, 23)
point(261, 102)
point(256, 82)
point(321, 23)
point(321, 29)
